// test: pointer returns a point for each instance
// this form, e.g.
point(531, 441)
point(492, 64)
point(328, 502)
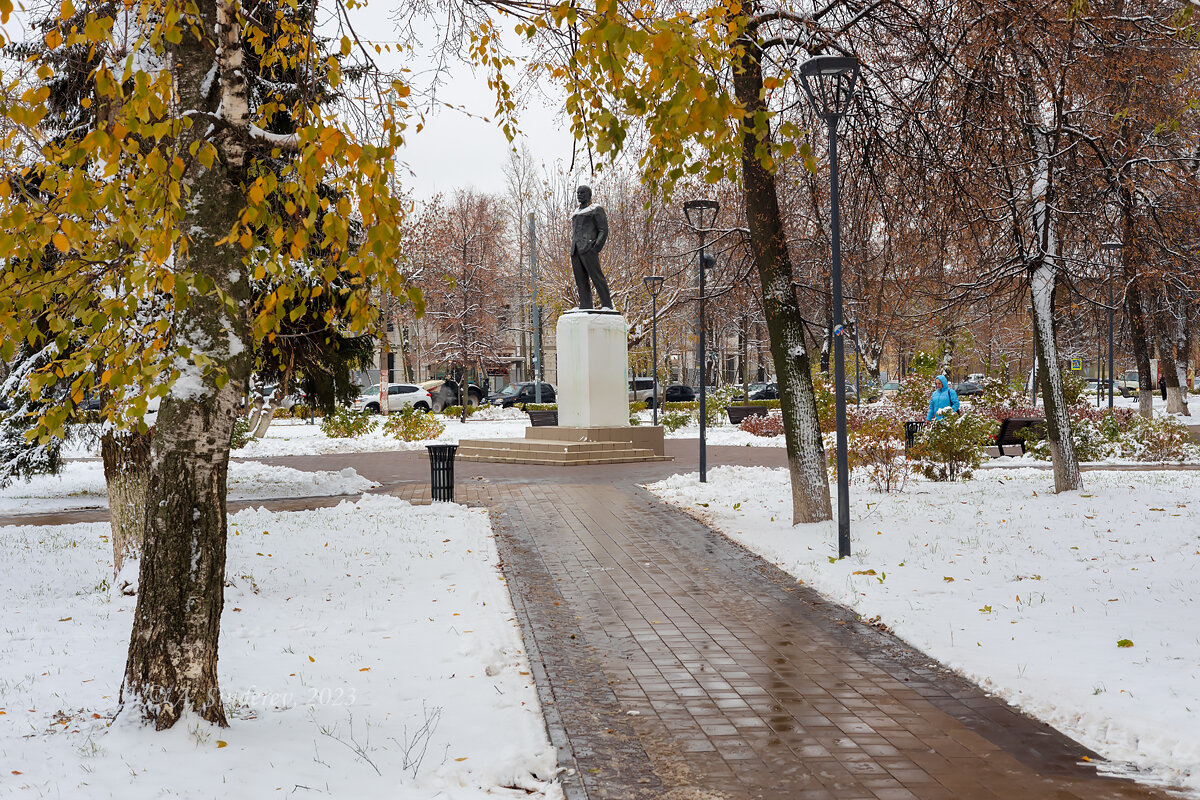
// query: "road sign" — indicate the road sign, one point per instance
point(1076, 364)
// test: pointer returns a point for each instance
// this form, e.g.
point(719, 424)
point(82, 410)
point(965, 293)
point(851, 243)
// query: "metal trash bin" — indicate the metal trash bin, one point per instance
point(911, 429)
point(441, 471)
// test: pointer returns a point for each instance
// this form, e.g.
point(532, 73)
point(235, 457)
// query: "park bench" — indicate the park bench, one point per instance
point(739, 413)
point(1011, 429)
point(540, 419)
point(911, 429)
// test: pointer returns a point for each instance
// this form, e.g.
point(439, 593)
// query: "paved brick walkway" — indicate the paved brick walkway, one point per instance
point(673, 663)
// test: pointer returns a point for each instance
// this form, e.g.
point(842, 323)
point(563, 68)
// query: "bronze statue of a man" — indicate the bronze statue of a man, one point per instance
point(589, 232)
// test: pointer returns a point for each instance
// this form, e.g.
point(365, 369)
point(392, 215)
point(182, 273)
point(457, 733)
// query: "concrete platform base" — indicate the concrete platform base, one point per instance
point(568, 447)
point(641, 437)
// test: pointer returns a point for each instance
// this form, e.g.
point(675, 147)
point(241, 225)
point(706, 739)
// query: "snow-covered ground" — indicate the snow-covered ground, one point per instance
point(81, 485)
point(367, 650)
point(1078, 608)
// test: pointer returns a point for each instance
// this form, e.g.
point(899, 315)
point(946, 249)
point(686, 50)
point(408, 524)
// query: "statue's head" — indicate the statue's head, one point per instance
point(584, 193)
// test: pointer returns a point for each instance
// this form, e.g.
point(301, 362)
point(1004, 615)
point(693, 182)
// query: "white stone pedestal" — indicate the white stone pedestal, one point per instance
point(593, 370)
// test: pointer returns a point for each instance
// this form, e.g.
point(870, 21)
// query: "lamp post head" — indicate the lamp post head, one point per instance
point(829, 83)
point(653, 283)
point(1112, 245)
point(701, 214)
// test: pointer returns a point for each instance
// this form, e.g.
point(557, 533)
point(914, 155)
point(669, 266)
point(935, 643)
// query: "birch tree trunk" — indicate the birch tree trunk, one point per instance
point(172, 663)
point(1058, 421)
point(802, 430)
point(256, 410)
point(1183, 345)
point(1043, 283)
point(126, 458)
point(263, 424)
point(1173, 353)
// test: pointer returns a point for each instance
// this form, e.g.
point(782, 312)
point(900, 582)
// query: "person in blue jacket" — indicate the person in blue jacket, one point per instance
point(943, 397)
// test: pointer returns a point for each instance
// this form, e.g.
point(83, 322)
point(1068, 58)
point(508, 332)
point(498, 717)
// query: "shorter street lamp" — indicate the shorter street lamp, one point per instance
point(700, 215)
point(1113, 249)
point(654, 284)
point(829, 83)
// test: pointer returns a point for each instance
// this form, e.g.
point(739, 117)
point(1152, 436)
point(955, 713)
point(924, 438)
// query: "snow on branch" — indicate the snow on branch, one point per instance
point(289, 141)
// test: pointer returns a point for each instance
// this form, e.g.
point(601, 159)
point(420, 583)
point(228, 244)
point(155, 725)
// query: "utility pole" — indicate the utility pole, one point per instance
point(537, 311)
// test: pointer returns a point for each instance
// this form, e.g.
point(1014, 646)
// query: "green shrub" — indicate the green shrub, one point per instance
point(953, 447)
point(1073, 387)
point(876, 446)
point(1160, 439)
point(413, 425)
point(673, 420)
point(241, 433)
point(1122, 435)
point(346, 423)
point(763, 403)
point(998, 392)
point(825, 399)
point(299, 411)
point(455, 412)
point(540, 407)
point(714, 406)
point(916, 389)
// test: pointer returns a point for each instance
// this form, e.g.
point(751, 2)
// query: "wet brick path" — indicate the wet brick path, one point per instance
point(677, 664)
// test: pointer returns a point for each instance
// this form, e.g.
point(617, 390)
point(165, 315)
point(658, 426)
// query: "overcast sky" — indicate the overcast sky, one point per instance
point(456, 149)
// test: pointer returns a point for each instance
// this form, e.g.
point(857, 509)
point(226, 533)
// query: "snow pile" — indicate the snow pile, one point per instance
point(496, 413)
point(1078, 608)
point(81, 485)
point(367, 650)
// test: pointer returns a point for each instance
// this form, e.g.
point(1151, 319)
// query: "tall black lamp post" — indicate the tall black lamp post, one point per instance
point(829, 83)
point(1113, 250)
point(654, 284)
point(700, 215)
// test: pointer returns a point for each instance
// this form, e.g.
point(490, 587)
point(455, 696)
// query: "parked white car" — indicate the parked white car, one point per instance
point(400, 396)
point(642, 390)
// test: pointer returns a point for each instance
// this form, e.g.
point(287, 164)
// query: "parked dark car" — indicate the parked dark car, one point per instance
point(968, 389)
point(751, 389)
point(518, 394)
point(678, 393)
point(768, 392)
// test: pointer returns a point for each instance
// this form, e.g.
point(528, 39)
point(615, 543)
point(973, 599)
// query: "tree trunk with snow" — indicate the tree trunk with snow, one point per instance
point(275, 402)
point(263, 423)
point(172, 662)
point(126, 458)
point(1184, 349)
point(1058, 420)
point(1135, 310)
point(256, 410)
point(802, 430)
point(1173, 352)
point(827, 342)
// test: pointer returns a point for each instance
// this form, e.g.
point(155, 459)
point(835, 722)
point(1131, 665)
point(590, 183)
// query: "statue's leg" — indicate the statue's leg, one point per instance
point(592, 262)
point(581, 281)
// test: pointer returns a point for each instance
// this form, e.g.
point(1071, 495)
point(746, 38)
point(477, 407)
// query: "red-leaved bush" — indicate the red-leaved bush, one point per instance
point(770, 425)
